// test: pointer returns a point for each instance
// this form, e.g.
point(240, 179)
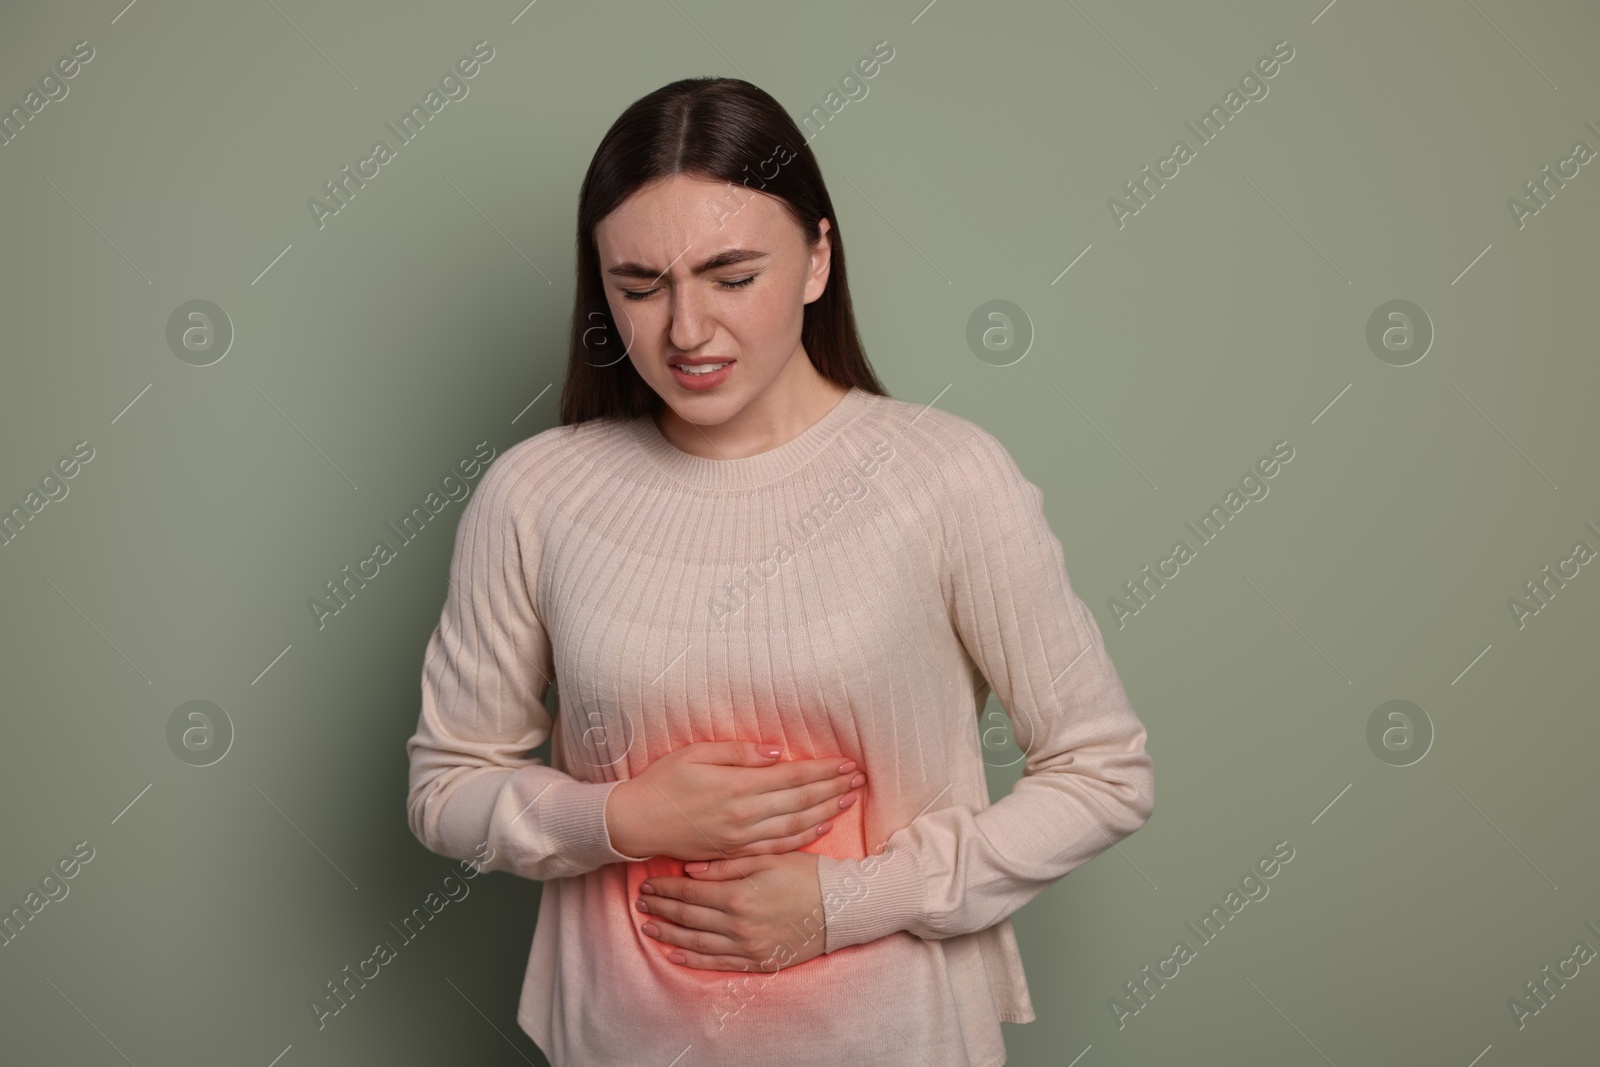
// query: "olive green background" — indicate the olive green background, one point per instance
point(1230, 313)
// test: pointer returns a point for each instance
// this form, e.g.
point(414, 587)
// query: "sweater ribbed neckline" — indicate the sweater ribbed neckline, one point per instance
point(747, 471)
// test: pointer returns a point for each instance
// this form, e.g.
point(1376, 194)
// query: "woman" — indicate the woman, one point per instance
point(738, 540)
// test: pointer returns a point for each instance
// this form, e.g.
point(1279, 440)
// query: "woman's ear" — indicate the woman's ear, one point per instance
point(821, 262)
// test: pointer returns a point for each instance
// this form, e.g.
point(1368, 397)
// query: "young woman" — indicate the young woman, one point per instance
point(737, 541)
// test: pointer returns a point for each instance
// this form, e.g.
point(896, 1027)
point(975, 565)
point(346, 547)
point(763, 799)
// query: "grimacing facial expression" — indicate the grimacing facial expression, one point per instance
point(705, 270)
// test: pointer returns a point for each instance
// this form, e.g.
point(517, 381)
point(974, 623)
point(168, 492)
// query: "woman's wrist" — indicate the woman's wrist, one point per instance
point(620, 823)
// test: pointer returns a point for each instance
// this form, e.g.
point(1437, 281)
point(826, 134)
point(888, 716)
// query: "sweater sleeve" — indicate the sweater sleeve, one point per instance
point(474, 794)
point(1087, 781)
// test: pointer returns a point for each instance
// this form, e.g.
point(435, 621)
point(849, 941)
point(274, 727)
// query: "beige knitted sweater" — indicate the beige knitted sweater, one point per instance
point(854, 592)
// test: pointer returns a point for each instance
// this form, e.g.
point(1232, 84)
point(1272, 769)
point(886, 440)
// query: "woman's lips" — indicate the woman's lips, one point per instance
point(701, 382)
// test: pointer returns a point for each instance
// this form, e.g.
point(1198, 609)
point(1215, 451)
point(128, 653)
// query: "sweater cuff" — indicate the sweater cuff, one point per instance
point(535, 819)
point(865, 899)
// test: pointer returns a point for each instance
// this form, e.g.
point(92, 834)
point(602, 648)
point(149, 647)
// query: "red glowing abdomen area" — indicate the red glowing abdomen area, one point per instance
point(845, 840)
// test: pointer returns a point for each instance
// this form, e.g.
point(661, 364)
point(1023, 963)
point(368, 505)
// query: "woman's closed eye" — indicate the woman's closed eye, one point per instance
point(640, 294)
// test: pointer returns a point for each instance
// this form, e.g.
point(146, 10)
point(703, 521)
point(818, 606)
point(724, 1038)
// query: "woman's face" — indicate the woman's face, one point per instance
point(706, 271)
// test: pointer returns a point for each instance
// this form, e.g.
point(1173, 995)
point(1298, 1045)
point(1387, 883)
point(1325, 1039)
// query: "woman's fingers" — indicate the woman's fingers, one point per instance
point(713, 870)
point(776, 845)
point(694, 939)
point(817, 806)
point(788, 775)
point(670, 899)
point(709, 963)
point(823, 813)
point(782, 803)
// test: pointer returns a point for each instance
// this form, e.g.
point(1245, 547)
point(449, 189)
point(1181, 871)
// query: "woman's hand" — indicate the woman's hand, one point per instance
point(759, 913)
point(724, 800)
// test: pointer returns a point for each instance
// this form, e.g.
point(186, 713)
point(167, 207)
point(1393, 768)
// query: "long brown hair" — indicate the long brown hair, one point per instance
point(724, 129)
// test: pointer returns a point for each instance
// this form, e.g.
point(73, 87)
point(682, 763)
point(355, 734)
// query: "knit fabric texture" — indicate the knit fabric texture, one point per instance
point(857, 592)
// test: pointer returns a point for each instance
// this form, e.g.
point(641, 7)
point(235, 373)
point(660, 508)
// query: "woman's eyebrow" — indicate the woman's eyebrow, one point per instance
point(725, 258)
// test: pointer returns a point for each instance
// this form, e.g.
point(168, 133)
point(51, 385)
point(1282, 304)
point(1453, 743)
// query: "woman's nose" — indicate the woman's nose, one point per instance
point(688, 330)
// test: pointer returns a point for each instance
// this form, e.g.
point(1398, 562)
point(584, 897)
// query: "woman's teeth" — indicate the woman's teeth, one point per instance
point(704, 368)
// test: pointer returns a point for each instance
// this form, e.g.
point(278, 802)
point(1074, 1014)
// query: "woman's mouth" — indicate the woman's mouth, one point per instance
point(702, 376)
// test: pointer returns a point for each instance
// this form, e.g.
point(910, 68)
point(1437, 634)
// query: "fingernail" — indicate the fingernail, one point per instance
point(641, 905)
point(859, 779)
point(847, 766)
point(846, 801)
point(647, 888)
point(677, 957)
point(772, 750)
point(824, 828)
point(697, 866)
point(651, 929)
